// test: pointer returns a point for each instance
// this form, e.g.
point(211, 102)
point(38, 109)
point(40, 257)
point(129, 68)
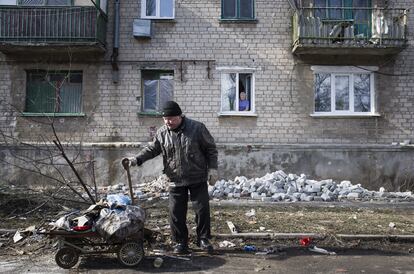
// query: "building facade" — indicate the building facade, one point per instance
point(321, 87)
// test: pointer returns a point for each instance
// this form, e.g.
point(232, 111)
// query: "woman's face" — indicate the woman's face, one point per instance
point(242, 95)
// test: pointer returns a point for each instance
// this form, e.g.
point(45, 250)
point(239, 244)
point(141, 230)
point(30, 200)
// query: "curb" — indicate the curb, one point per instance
point(314, 236)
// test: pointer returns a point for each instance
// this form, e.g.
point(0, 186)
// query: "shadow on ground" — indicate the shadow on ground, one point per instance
point(196, 263)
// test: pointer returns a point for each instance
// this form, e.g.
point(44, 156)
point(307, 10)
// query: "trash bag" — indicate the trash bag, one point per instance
point(118, 200)
point(117, 225)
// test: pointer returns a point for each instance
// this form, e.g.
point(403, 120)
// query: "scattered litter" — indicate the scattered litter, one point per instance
point(251, 213)
point(17, 237)
point(305, 241)
point(392, 225)
point(267, 251)
point(321, 250)
point(249, 248)
point(226, 244)
point(262, 228)
point(232, 227)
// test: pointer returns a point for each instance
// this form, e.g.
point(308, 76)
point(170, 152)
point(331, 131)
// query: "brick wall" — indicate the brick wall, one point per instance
point(189, 45)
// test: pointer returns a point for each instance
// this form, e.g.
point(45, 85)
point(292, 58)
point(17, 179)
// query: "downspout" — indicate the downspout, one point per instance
point(114, 56)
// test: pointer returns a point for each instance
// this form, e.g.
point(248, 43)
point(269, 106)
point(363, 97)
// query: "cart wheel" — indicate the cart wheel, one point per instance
point(131, 253)
point(66, 257)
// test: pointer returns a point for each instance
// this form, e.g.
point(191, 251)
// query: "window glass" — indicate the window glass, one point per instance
point(150, 8)
point(166, 88)
point(166, 8)
point(362, 84)
point(158, 87)
point(229, 8)
point(150, 95)
point(246, 8)
point(32, 2)
point(342, 92)
point(335, 13)
point(322, 92)
point(70, 98)
point(228, 91)
point(321, 12)
point(58, 2)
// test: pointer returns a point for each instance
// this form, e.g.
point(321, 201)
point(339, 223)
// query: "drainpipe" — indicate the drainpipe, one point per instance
point(114, 56)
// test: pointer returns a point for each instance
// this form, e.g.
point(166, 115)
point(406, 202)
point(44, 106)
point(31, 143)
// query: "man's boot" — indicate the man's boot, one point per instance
point(181, 248)
point(205, 245)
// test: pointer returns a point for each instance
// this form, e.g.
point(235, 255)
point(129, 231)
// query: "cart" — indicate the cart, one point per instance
point(130, 251)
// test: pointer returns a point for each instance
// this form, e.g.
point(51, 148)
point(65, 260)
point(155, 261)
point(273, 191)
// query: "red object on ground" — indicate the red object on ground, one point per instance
point(305, 241)
point(82, 227)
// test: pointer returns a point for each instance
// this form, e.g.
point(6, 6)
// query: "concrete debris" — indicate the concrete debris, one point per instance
point(232, 227)
point(226, 244)
point(273, 187)
point(17, 237)
point(279, 186)
point(321, 250)
point(250, 213)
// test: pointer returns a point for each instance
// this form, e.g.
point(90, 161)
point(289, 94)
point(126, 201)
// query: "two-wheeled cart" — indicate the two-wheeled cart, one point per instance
point(72, 245)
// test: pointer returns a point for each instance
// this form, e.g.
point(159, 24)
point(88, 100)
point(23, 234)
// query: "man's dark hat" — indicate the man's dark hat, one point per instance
point(171, 108)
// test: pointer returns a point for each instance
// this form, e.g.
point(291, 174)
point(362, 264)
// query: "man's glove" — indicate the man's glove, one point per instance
point(212, 176)
point(130, 161)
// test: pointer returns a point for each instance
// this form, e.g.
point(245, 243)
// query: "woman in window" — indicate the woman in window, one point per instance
point(244, 104)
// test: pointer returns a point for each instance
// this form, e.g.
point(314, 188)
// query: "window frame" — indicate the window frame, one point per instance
point(30, 73)
point(349, 71)
point(158, 72)
point(157, 11)
point(238, 12)
point(252, 98)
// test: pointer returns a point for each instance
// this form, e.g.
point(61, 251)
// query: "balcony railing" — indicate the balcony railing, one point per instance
point(61, 25)
point(349, 28)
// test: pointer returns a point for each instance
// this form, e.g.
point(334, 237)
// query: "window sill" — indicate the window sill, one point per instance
point(238, 113)
point(149, 114)
point(35, 114)
point(239, 21)
point(163, 20)
point(343, 115)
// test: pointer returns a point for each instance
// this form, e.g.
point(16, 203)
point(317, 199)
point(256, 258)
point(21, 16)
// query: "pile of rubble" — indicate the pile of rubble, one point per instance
point(279, 186)
point(274, 187)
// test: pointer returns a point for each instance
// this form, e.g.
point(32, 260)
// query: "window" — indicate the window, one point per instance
point(157, 9)
point(157, 88)
point(237, 93)
point(237, 9)
point(45, 2)
point(344, 90)
point(54, 92)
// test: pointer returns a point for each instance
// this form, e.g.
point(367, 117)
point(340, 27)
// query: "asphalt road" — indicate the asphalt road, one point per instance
point(292, 260)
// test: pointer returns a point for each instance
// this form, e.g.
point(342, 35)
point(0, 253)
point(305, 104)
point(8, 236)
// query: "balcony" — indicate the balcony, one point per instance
point(349, 32)
point(51, 29)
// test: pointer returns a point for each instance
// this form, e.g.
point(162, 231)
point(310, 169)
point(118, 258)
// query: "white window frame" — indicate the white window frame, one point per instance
point(157, 10)
point(239, 70)
point(349, 71)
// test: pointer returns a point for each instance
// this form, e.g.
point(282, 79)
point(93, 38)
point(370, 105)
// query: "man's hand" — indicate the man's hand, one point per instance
point(128, 162)
point(212, 176)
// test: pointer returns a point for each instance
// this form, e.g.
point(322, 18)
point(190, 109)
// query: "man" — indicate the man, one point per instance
point(190, 160)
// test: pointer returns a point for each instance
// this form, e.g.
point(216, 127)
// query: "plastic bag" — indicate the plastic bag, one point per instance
point(116, 225)
point(118, 200)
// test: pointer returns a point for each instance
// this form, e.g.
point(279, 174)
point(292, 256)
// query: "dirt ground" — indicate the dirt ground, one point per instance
point(20, 209)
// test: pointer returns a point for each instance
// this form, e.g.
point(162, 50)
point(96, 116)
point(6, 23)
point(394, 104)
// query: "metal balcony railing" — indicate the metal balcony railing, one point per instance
point(65, 25)
point(350, 27)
